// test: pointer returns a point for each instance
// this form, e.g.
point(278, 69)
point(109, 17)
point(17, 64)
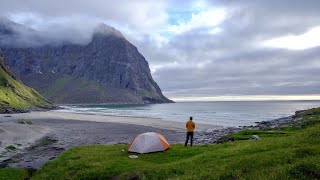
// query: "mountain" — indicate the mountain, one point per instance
point(108, 69)
point(17, 35)
point(16, 97)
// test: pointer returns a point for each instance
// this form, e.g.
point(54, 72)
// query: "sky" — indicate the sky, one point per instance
point(202, 50)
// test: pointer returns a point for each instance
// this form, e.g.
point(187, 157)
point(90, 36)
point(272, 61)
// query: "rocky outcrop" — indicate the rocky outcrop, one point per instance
point(16, 97)
point(4, 67)
point(213, 136)
point(108, 69)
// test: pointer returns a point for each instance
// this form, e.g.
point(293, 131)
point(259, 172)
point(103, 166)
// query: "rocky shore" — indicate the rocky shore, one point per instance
point(211, 136)
point(28, 110)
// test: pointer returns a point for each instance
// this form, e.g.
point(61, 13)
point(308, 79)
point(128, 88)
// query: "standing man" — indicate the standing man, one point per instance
point(190, 125)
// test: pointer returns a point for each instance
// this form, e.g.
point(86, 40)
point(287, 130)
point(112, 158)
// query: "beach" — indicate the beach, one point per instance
point(31, 139)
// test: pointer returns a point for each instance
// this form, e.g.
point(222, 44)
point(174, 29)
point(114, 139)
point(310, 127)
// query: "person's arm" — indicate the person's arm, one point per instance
point(194, 125)
point(187, 125)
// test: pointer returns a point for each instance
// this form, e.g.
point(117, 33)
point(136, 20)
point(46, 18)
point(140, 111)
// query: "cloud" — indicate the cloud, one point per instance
point(236, 63)
point(139, 15)
point(310, 39)
point(201, 48)
point(279, 72)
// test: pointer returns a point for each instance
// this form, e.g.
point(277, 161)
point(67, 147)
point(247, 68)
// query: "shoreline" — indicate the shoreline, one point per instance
point(29, 140)
point(52, 132)
point(212, 137)
point(134, 120)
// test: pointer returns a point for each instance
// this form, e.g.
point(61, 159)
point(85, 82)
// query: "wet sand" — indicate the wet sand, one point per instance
point(153, 122)
point(53, 132)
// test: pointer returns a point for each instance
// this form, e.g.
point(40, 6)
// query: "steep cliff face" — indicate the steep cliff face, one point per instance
point(108, 69)
point(14, 96)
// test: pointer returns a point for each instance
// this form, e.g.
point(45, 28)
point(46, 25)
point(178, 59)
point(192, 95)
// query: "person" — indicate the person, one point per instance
point(190, 125)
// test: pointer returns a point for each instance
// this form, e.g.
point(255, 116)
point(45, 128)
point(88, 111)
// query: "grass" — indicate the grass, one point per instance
point(6, 174)
point(28, 122)
point(57, 86)
point(11, 148)
point(248, 134)
point(46, 141)
point(20, 121)
point(283, 153)
point(23, 121)
point(12, 174)
point(14, 94)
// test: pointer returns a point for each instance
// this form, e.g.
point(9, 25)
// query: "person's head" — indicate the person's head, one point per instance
point(191, 118)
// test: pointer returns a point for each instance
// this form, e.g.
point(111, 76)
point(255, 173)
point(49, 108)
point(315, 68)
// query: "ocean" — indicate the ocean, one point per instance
point(226, 113)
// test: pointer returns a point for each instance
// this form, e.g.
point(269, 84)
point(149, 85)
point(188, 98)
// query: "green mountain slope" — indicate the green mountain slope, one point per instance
point(15, 96)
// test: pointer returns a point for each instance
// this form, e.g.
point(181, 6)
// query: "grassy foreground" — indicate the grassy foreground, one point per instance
point(289, 152)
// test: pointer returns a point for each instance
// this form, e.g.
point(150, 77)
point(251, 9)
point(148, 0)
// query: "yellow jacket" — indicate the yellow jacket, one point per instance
point(190, 125)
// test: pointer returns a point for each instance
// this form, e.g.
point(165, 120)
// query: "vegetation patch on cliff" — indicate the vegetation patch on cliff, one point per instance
point(15, 95)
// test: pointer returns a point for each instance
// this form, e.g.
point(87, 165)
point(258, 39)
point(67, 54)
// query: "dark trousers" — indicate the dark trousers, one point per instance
point(189, 135)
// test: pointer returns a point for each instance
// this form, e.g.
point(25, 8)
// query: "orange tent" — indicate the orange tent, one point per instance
point(148, 142)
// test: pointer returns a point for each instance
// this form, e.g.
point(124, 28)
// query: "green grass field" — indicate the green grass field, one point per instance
point(283, 153)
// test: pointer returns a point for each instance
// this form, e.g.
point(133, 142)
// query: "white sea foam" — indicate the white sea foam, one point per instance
point(217, 113)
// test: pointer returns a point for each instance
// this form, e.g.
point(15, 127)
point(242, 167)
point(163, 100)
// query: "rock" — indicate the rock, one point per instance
point(57, 148)
point(25, 95)
point(5, 159)
point(255, 137)
point(106, 69)
point(210, 130)
point(299, 112)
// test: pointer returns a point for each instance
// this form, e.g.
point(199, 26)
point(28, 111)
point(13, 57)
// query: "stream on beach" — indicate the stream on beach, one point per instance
point(226, 113)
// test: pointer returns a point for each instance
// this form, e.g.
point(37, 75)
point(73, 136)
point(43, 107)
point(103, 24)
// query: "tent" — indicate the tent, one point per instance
point(148, 142)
